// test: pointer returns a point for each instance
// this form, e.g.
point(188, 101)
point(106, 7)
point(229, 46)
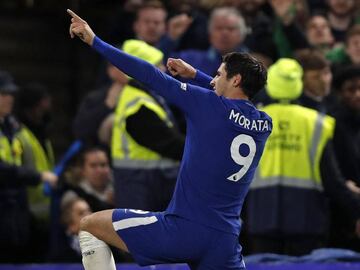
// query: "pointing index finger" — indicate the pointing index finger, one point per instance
point(74, 15)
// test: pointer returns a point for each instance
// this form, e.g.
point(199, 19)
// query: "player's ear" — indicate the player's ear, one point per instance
point(236, 80)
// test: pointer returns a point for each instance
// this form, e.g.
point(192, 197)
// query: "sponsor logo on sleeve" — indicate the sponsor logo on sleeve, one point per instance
point(183, 86)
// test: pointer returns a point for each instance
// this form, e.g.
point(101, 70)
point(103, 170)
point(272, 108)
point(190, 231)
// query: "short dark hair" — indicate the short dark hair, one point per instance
point(152, 4)
point(87, 150)
point(253, 73)
point(346, 74)
point(311, 59)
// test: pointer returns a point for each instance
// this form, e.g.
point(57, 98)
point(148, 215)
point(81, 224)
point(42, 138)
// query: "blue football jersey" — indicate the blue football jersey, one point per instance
point(224, 143)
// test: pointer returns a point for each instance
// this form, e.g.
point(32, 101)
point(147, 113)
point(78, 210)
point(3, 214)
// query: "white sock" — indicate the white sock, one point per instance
point(96, 254)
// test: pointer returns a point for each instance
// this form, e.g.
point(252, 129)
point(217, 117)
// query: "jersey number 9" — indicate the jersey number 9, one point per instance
point(244, 161)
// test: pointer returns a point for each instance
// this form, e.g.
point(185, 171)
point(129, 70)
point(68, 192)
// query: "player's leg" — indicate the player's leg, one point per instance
point(224, 253)
point(96, 232)
point(100, 225)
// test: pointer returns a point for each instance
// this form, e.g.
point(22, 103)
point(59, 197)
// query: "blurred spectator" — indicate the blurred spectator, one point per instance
point(347, 149)
point(140, 19)
point(291, 11)
point(319, 34)
point(316, 88)
point(276, 24)
point(353, 44)
point(15, 214)
point(284, 38)
point(227, 30)
point(259, 27)
point(350, 53)
point(91, 179)
point(287, 209)
point(186, 26)
point(341, 17)
point(316, 79)
point(121, 25)
point(347, 86)
point(145, 142)
point(33, 107)
point(289, 16)
point(179, 23)
point(149, 24)
point(96, 110)
point(73, 208)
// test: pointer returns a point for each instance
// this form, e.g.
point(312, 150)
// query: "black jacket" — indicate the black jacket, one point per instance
point(15, 214)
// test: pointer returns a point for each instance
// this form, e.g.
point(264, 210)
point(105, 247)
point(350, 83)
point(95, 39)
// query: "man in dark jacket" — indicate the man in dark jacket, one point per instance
point(14, 225)
point(347, 148)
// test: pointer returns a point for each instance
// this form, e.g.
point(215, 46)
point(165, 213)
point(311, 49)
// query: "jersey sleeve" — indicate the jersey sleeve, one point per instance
point(183, 95)
point(202, 79)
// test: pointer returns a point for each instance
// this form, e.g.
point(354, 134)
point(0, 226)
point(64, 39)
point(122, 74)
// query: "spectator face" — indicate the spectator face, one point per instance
point(6, 104)
point(318, 31)
point(150, 25)
point(225, 34)
point(318, 82)
point(96, 169)
point(341, 8)
point(79, 209)
point(350, 93)
point(353, 49)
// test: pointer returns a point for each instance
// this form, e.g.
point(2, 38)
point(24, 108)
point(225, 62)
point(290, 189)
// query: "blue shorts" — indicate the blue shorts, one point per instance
point(156, 238)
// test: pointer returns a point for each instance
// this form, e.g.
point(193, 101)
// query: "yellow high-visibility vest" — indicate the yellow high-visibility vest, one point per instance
point(34, 156)
point(125, 151)
point(10, 152)
point(293, 151)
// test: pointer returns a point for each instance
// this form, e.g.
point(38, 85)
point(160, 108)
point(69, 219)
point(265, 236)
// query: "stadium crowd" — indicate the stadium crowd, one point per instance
point(306, 192)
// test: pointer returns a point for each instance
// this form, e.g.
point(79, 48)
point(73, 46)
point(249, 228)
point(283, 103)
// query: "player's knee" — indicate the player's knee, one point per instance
point(85, 223)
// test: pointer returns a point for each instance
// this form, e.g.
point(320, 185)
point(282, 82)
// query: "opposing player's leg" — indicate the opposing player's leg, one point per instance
point(96, 233)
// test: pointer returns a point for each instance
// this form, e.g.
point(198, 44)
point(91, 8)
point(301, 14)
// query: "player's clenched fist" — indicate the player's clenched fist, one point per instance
point(80, 28)
point(178, 67)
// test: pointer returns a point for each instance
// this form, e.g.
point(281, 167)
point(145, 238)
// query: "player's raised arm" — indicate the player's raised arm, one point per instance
point(171, 89)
